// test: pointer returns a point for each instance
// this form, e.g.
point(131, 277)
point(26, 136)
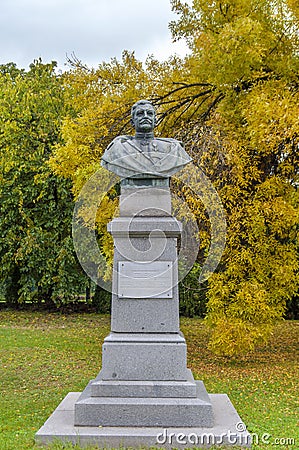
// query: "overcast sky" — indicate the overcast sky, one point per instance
point(94, 30)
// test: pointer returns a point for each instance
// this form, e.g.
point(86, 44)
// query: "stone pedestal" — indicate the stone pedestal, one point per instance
point(144, 357)
point(144, 383)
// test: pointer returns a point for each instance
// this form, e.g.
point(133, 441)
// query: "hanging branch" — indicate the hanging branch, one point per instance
point(183, 104)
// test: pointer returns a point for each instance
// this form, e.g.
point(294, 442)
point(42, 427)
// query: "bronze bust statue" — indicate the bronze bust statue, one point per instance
point(144, 156)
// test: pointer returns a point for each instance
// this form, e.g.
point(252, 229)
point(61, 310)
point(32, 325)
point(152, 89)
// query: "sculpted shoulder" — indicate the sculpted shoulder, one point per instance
point(121, 139)
point(116, 142)
point(170, 141)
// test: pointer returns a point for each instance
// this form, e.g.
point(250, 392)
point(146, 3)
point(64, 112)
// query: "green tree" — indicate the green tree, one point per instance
point(36, 251)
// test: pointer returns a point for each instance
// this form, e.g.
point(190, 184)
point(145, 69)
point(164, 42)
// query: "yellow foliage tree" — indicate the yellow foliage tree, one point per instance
point(248, 53)
point(234, 102)
point(101, 100)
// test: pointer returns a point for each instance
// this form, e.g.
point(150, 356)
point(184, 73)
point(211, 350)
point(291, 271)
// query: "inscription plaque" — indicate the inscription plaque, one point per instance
point(145, 279)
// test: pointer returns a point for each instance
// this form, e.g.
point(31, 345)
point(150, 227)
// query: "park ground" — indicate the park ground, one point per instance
point(45, 355)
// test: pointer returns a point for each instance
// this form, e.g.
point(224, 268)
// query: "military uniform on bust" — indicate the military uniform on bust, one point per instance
point(144, 155)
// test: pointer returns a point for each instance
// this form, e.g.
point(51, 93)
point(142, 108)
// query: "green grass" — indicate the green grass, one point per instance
point(44, 356)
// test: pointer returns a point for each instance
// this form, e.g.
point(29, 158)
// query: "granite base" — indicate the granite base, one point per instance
point(60, 427)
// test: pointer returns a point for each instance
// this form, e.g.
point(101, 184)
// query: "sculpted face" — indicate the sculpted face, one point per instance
point(144, 118)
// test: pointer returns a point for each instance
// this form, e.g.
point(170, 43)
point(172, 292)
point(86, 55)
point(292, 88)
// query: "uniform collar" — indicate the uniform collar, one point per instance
point(144, 136)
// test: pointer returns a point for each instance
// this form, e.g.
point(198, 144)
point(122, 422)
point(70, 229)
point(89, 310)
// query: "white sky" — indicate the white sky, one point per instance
point(94, 30)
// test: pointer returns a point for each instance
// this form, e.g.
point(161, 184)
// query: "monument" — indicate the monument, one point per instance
point(144, 394)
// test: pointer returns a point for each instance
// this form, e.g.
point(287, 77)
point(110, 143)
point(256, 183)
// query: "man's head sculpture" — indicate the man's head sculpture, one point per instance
point(143, 116)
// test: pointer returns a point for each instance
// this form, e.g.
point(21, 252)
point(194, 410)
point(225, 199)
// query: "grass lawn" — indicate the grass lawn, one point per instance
point(44, 356)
